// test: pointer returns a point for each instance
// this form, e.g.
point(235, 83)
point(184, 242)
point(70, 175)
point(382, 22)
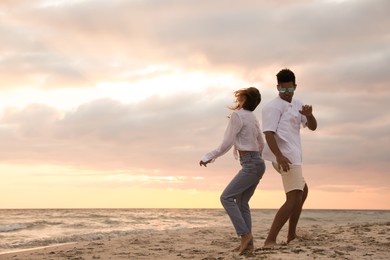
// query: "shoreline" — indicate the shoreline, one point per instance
point(21, 250)
point(346, 241)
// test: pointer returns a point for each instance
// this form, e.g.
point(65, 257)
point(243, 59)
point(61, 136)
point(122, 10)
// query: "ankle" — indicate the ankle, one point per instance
point(246, 236)
point(269, 242)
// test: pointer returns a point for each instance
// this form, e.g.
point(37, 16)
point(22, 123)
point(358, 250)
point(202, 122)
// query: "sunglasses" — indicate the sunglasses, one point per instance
point(283, 90)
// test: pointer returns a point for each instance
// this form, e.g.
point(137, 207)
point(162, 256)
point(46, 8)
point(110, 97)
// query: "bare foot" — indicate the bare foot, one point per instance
point(245, 240)
point(291, 237)
point(269, 244)
point(296, 237)
point(249, 247)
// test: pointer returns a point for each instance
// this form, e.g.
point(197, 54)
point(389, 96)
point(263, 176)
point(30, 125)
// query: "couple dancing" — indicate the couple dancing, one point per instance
point(281, 122)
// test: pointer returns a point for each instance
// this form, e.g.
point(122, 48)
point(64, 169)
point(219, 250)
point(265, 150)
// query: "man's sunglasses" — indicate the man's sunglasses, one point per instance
point(283, 90)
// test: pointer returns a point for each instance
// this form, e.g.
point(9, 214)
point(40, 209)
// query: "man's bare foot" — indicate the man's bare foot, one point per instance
point(296, 237)
point(245, 240)
point(291, 237)
point(269, 244)
point(249, 247)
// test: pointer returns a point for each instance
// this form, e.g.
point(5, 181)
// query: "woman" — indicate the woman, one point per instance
point(243, 132)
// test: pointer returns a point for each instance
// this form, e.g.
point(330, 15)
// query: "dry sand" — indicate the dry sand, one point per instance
point(349, 241)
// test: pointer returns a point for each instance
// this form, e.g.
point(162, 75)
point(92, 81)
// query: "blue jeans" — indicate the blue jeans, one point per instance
point(235, 198)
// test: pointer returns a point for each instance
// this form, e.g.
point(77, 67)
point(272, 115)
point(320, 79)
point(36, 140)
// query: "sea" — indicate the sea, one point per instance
point(22, 229)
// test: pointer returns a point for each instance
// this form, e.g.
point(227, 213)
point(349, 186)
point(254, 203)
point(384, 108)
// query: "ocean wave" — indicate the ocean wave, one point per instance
point(12, 227)
point(28, 225)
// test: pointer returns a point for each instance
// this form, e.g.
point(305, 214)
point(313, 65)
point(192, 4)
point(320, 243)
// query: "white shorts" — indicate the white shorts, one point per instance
point(292, 179)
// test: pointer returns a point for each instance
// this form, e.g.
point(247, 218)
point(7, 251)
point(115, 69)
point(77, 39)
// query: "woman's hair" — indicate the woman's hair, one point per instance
point(253, 98)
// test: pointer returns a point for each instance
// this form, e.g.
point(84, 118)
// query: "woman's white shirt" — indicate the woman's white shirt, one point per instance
point(243, 132)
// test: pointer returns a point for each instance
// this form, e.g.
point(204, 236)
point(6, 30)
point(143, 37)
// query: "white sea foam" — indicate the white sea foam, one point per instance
point(12, 227)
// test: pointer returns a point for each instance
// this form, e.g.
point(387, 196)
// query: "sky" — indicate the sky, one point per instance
point(111, 104)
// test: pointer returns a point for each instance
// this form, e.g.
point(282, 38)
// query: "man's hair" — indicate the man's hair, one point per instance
point(285, 75)
point(253, 98)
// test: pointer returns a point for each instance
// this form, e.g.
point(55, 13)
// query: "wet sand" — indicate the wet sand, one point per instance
point(349, 241)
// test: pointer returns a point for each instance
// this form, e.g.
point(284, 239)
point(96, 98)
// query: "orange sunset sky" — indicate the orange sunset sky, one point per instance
point(112, 103)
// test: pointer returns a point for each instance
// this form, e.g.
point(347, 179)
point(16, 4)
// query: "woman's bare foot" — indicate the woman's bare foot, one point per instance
point(245, 240)
point(249, 247)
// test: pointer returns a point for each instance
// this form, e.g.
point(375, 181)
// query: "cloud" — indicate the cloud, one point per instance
point(339, 51)
point(155, 133)
point(110, 38)
point(165, 138)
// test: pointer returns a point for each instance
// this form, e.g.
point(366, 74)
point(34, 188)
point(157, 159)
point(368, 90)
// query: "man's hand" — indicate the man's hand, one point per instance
point(283, 163)
point(204, 163)
point(311, 120)
point(306, 110)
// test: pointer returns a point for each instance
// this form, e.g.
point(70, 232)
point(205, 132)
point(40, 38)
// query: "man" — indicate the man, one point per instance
point(282, 119)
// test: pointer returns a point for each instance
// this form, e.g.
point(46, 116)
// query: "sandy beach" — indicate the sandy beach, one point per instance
point(349, 241)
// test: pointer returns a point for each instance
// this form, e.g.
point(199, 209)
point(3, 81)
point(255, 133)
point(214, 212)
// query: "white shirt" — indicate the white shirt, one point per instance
point(243, 131)
point(285, 121)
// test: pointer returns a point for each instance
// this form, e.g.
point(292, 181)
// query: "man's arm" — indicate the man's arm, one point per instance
point(281, 160)
point(311, 120)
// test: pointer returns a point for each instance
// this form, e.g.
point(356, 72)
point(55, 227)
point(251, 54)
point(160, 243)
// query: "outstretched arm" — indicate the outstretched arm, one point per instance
point(231, 131)
point(311, 120)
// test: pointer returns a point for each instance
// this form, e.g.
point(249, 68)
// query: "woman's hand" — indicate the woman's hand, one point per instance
point(204, 163)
